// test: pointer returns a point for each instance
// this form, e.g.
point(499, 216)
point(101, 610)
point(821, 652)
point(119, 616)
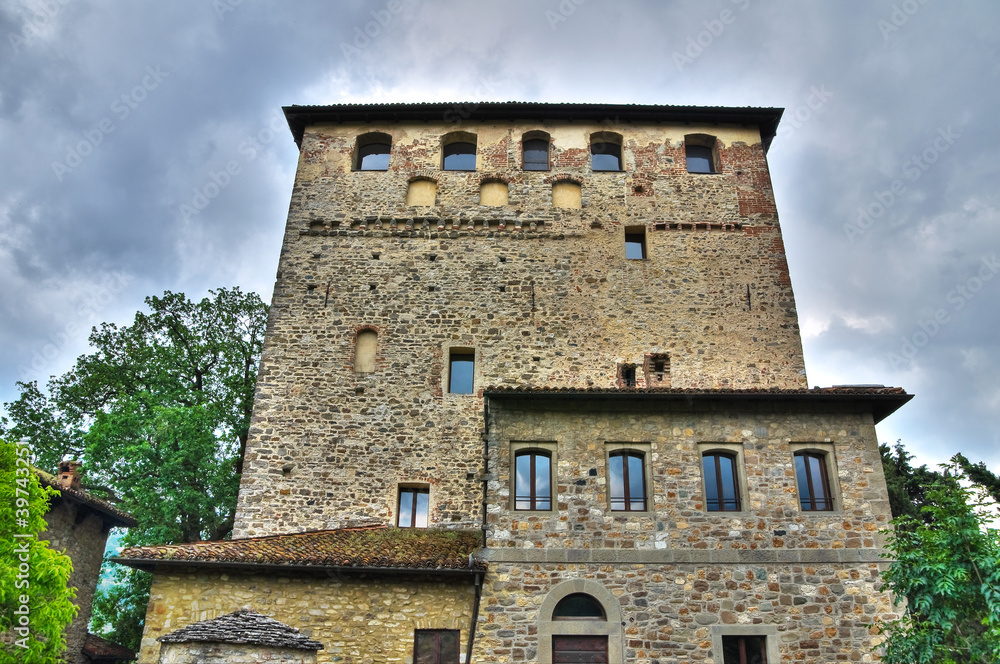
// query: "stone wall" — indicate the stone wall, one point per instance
point(357, 619)
point(79, 532)
point(544, 295)
point(230, 653)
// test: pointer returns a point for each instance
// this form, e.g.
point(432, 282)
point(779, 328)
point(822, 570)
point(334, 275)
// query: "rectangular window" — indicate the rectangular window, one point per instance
point(635, 242)
point(744, 649)
point(657, 369)
point(812, 481)
point(435, 646)
point(461, 370)
point(722, 490)
point(627, 481)
point(413, 507)
point(533, 481)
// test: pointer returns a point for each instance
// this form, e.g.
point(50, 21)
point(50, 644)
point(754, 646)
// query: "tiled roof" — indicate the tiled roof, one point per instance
point(102, 650)
point(108, 511)
point(882, 400)
point(364, 549)
point(243, 626)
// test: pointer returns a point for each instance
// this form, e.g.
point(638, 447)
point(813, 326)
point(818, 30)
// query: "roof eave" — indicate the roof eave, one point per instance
point(150, 565)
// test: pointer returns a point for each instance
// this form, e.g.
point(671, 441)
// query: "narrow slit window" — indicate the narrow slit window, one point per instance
point(461, 371)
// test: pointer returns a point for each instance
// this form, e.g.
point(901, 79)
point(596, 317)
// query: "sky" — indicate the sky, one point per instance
point(118, 120)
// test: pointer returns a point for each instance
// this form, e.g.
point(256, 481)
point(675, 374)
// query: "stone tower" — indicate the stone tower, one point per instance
point(568, 329)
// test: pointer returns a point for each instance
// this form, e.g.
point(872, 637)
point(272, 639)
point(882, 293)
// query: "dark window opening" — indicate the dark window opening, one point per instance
point(699, 159)
point(605, 156)
point(657, 369)
point(813, 482)
point(744, 650)
point(627, 482)
point(591, 649)
point(536, 154)
point(533, 481)
point(722, 492)
point(460, 156)
point(435, 646)
point(461, 372)
point(626, 375)
point(635, 243)
point(578, 606)
point(413, 508)
point(373, 157)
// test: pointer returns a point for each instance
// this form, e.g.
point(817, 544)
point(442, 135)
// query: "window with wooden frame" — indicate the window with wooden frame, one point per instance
point(533, 480)
point(436, 646)
point(813, 481)
point(744, 649)
point(627, 481)
point(535, 151)
point(414, 506)
point(722, 482)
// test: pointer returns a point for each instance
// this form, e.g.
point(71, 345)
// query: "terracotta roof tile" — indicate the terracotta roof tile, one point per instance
point(243, 626)
point(111, 513)
point(102, 650)
point(377, 547)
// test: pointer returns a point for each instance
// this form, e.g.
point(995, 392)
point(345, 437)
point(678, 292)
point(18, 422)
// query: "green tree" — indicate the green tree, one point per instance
point(35, 602)
point(907, 485)
point(159, 414)
point(947, 567)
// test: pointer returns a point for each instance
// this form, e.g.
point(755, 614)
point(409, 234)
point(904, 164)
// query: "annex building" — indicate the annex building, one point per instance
point(533, 391)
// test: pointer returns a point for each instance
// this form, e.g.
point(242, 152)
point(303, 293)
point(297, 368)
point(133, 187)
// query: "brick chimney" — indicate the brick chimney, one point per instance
point(69, 475)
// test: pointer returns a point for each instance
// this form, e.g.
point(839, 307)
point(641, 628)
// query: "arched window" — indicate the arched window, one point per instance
point(813, 482)
point(699, 153)
point(535, 151)
point(606, 151)
point(372, 152)
point(459, 152)
point(578, 606)
point(627, 481)
point(364, 351)
point(533, 481)
point(722, 490)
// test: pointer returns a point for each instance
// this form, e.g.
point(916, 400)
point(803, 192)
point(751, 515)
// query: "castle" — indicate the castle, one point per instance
point(533, 391)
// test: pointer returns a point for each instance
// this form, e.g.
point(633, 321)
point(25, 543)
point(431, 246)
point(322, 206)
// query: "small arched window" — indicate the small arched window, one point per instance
point(535, 155)
point(627, 482)
point(578, 606)
point(606, 151)
point(699, 153)
point(533, 481)
point(813, 482)
point(364, 351)
point(372, 152)
point(459, 152)
point(722, 490)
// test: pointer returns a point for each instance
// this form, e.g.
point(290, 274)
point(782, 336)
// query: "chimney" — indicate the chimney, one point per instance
point(69, 475)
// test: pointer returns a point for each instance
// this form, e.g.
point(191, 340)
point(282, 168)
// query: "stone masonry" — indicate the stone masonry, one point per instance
point(583, 356)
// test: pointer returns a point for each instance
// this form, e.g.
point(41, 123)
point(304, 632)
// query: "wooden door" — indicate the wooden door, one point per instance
point(579, 649)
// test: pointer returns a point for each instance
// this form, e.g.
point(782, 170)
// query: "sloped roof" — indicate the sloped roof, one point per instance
point(376, 548)
point(102, 650)
point(883, 401)
point(108, 511)
point(243, 626)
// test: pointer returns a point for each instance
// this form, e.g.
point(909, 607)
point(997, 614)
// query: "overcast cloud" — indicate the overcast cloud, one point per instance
point(116, 116)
